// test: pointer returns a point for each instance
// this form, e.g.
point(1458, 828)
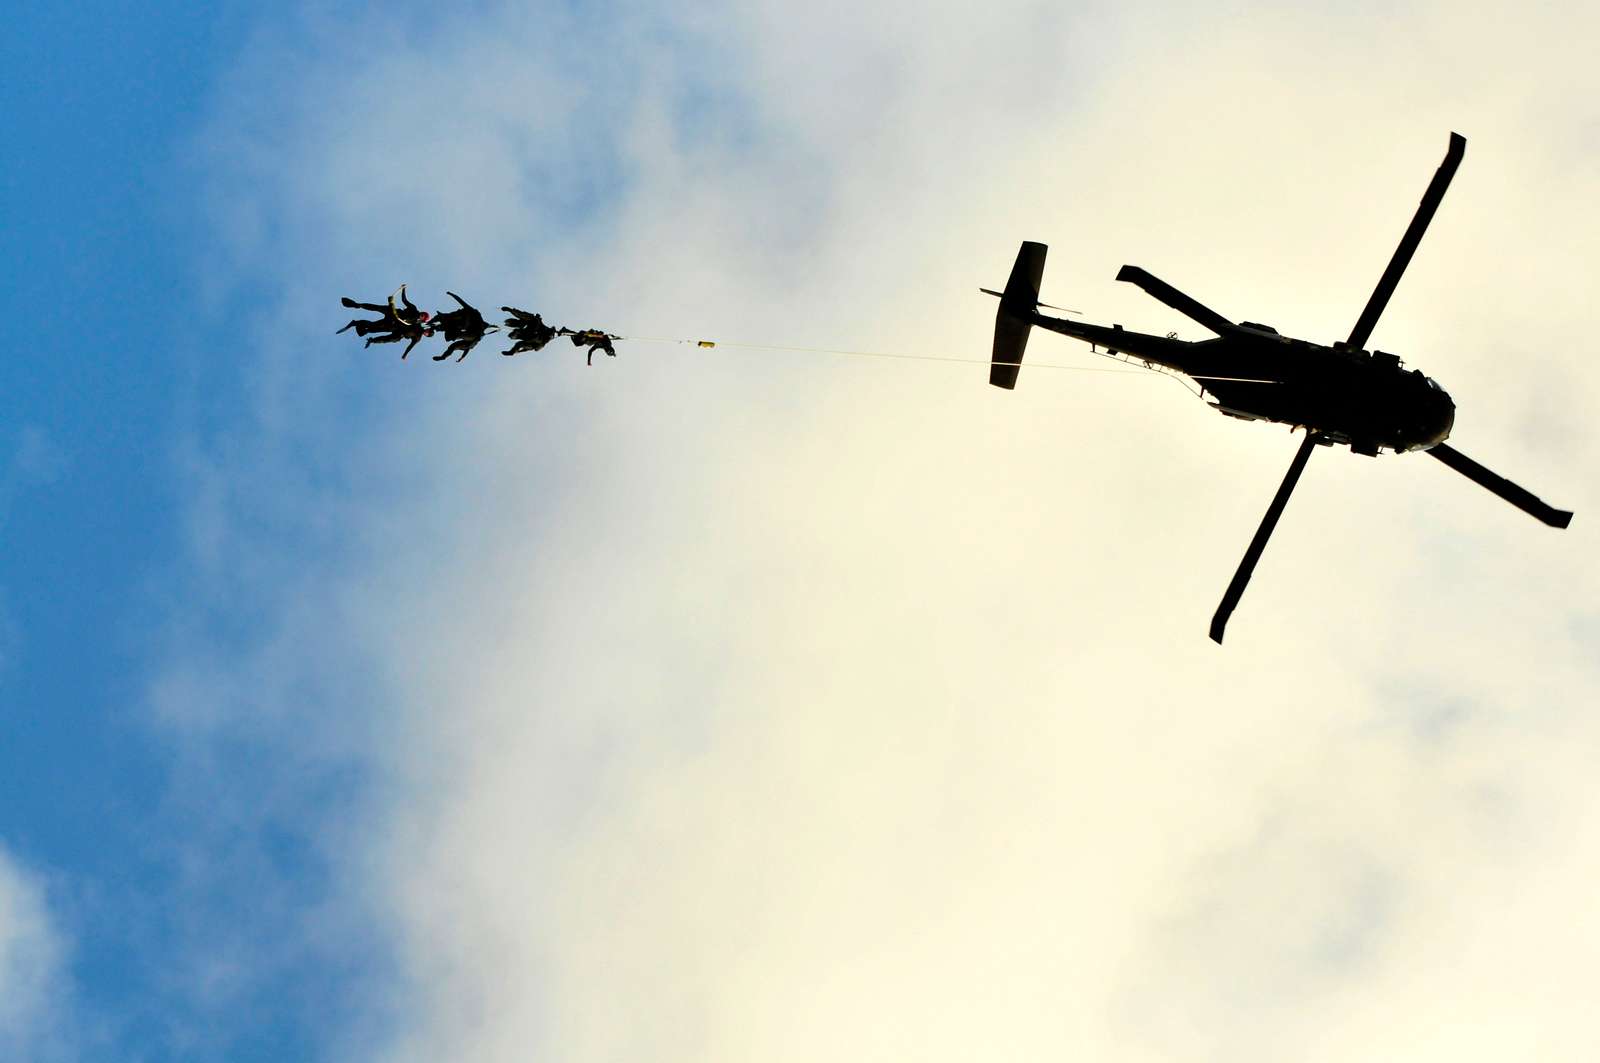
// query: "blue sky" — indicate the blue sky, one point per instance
point(134, 362)
point(683, 707)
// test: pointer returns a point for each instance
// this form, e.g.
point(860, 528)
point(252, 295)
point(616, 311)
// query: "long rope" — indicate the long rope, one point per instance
point(1136, 367)
point(871, 354)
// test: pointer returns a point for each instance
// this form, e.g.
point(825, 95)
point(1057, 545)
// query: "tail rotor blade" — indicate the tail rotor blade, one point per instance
point(1241, 578)
point(1408, 243)
point(1517, 496)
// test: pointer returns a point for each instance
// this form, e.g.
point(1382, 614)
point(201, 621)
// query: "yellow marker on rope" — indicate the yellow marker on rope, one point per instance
point(705, 343)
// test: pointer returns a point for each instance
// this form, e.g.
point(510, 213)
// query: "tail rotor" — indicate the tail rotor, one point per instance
point(1014, 320)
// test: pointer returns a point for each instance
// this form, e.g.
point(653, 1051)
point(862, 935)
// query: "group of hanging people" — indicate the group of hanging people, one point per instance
point(463, 328)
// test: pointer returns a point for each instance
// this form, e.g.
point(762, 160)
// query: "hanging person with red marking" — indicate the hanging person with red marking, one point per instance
point(392, 319)
point(405, 322)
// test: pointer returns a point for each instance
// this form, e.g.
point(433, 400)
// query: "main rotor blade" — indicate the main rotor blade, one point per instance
point(1517, 496)
point(1183, 304)
point(1408, 243)
point(1241, 578)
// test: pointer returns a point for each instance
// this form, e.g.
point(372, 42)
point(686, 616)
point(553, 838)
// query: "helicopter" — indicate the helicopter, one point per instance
point(1339, 394)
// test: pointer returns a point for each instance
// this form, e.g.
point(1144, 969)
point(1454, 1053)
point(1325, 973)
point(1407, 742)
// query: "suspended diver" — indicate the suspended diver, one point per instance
point(528, 331)
point(463, 328)
point(592, 338)
point(396, 323)
point(415, 333)
point(392, 319)
point(405, 322)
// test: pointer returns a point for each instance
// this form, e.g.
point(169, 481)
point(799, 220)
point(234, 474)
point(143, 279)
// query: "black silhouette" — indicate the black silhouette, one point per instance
point(463, 328)
point(1338, 393)
point(528, 331)
point(593, 339)
point(392, 319)
point(414, 333)
point(404, 322)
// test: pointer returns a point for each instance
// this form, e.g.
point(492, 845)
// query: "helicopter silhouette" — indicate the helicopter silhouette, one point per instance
point(1339, 393)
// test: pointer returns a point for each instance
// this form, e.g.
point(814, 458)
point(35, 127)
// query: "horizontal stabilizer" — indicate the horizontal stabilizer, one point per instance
point(1047, 306)
point(1014, 320)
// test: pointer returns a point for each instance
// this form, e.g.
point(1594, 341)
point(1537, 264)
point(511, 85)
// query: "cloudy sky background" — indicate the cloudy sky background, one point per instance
point(736, 705)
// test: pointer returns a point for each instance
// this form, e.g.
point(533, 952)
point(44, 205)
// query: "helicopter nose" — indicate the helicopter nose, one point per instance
point(1444, 419)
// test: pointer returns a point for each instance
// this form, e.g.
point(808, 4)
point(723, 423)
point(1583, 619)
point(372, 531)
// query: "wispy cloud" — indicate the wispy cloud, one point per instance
point(719, 706)
point(34, 992)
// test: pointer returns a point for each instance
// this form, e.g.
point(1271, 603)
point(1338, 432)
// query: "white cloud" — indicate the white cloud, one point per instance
point(32, 955)
point(771, 706)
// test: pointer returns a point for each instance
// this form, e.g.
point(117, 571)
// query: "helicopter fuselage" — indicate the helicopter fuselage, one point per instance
point(1366, 399)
